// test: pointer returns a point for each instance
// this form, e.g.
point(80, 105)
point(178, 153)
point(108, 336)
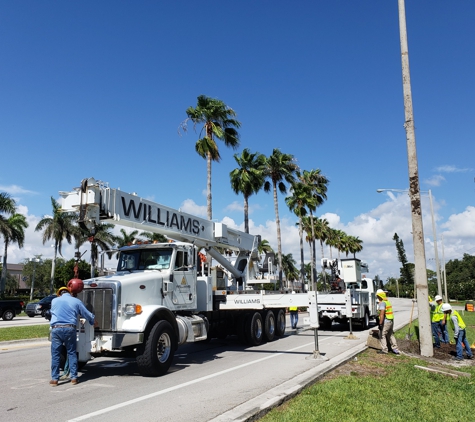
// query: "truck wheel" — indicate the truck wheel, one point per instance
point(269, 326)
point(325, 323)
point(155, 356)
point(8, 315)
point(254, 329)
point(279, 323)
point(365, 321)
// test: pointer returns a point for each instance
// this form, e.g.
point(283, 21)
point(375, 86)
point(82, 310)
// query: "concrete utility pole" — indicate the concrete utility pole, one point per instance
point(420, 273)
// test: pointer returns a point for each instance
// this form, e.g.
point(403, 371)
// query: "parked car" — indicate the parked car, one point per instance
point(39, 308)
point(10, 308)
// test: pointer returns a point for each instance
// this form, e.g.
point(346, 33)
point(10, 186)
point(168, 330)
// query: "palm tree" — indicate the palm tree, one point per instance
point(355, 244)
point(299, 201)
point(340, 241)
point(154, 237)
point(279, 167)
point(102, 239)
point(13, 231)
point(57, 228)
point(248, 178)
point(264, 247)
point(218, 123)
point(126, 238)
point(322, 230)
point(290, 270)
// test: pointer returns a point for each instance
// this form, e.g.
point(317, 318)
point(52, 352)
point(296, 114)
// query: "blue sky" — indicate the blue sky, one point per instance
point(99, 89)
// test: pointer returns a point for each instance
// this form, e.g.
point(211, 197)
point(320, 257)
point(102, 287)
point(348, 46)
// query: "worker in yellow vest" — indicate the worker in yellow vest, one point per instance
point(294, 316)
point(439, 329)
point(458, 326)
point(386, 324)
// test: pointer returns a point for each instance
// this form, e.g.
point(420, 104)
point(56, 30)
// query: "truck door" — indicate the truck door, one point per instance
point(184, 277)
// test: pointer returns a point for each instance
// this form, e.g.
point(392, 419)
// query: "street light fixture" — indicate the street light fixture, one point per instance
point(36, 260)
point(436, 254)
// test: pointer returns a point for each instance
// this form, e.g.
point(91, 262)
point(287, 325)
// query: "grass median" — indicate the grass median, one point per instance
point(23, 333)
point(387, 388)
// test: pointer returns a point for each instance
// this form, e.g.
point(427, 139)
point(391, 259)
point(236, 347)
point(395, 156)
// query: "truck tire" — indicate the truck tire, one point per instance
point(254, 329)
point(269, 326)
point(279, 323)
point(325, 323)
point(8, 315)
point(155, 356)
point(365, 321)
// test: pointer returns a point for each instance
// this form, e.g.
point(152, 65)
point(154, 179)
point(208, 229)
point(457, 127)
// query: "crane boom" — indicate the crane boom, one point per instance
point(96, 201)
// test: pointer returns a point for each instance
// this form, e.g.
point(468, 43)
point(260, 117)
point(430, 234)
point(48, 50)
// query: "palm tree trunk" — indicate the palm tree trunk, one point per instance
point(279, 241)
point(302, 263)
point(246, 214)
point(208, 196)
point(53, 268)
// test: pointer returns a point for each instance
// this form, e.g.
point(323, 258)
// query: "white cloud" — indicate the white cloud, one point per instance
point(239, 206)
point(435, 180)
point(189, 206)
point(452, 169)
point(16, 190)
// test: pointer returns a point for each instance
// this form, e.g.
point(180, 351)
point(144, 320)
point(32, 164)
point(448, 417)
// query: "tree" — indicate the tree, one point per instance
point(13, 231)
point(264, 247)
point(298, 202)
point(61, 226)
point(103, 239)
point(154, 237)
point(126, 238)
point(279, 167)
point(218, 123)
point(407, 273)
point(65, 272)
point(290, 270)
point(355, 244)
point(248, 178)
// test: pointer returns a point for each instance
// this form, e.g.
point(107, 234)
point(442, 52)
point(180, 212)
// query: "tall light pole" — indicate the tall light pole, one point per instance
point(445, 277)
point(36, 260)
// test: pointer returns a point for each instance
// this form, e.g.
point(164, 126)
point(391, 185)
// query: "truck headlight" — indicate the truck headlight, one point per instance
point(133, 309)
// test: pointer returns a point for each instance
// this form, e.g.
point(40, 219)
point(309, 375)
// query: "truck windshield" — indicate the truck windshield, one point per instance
point(145, 259)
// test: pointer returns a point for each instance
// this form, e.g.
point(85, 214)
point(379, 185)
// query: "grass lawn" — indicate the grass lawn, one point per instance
point(386, 388)
point(22, 333)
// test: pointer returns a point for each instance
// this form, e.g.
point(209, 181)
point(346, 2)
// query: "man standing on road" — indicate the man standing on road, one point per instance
point(459, 332)
point(386, 324)
point(65, 311)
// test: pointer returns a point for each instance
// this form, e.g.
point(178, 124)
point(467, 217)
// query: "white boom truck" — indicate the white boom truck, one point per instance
point(334, 306)
point(160, 297)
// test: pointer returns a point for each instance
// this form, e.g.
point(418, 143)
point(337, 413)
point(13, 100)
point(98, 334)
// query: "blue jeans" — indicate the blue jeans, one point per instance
point(462, 338)
point(294, 318)
point(66, 336)
point(445, 332)
point(437, 333)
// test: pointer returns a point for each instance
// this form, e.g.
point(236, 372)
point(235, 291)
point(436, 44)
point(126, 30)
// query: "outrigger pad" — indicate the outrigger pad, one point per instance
point(373, 340)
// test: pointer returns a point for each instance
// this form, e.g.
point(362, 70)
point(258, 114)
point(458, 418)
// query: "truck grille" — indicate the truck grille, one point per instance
point(99, 302)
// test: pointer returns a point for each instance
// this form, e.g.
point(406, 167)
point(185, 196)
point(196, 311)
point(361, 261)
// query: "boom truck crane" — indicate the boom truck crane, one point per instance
point(160, 297)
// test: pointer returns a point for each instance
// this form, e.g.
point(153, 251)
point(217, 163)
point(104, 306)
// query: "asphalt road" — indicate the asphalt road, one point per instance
point(220, 381)
point(20, 321)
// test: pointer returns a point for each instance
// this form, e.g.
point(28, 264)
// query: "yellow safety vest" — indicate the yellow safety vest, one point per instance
point(460, 322)
point(293, 308)
point(389, 310)
point(438, 314)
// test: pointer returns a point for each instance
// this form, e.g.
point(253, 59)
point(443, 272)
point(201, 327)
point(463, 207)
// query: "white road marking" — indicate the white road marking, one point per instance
point(186, 384)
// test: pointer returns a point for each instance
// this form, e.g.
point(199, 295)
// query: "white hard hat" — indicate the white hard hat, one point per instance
point(437, 298)
point(446, 307)
point(379, 291)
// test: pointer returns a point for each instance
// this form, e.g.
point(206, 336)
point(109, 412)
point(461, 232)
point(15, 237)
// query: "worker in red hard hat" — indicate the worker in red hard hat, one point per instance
point(386, 324)
point(460, 337)
point(65, 311)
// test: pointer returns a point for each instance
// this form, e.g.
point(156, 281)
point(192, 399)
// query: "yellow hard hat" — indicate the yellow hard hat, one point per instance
point(61, 290)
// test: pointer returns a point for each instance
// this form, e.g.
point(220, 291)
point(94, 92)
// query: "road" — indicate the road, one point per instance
point(220, 381)
point(20, 321)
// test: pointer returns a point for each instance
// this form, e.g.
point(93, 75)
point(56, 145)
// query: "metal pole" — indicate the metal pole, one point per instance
point(415, 197)
point(443, 263)
point(33, 280)
point(439, 284)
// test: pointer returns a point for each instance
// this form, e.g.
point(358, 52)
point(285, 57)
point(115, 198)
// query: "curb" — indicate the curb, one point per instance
point(29, 340)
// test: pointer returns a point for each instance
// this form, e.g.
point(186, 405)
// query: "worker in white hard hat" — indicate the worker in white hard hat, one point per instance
point(439, 329)
point(386, 324)
point(458, 326)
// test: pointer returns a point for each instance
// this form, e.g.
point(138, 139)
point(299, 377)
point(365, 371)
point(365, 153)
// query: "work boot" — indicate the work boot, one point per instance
point(74, 381)
point(53, 383)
